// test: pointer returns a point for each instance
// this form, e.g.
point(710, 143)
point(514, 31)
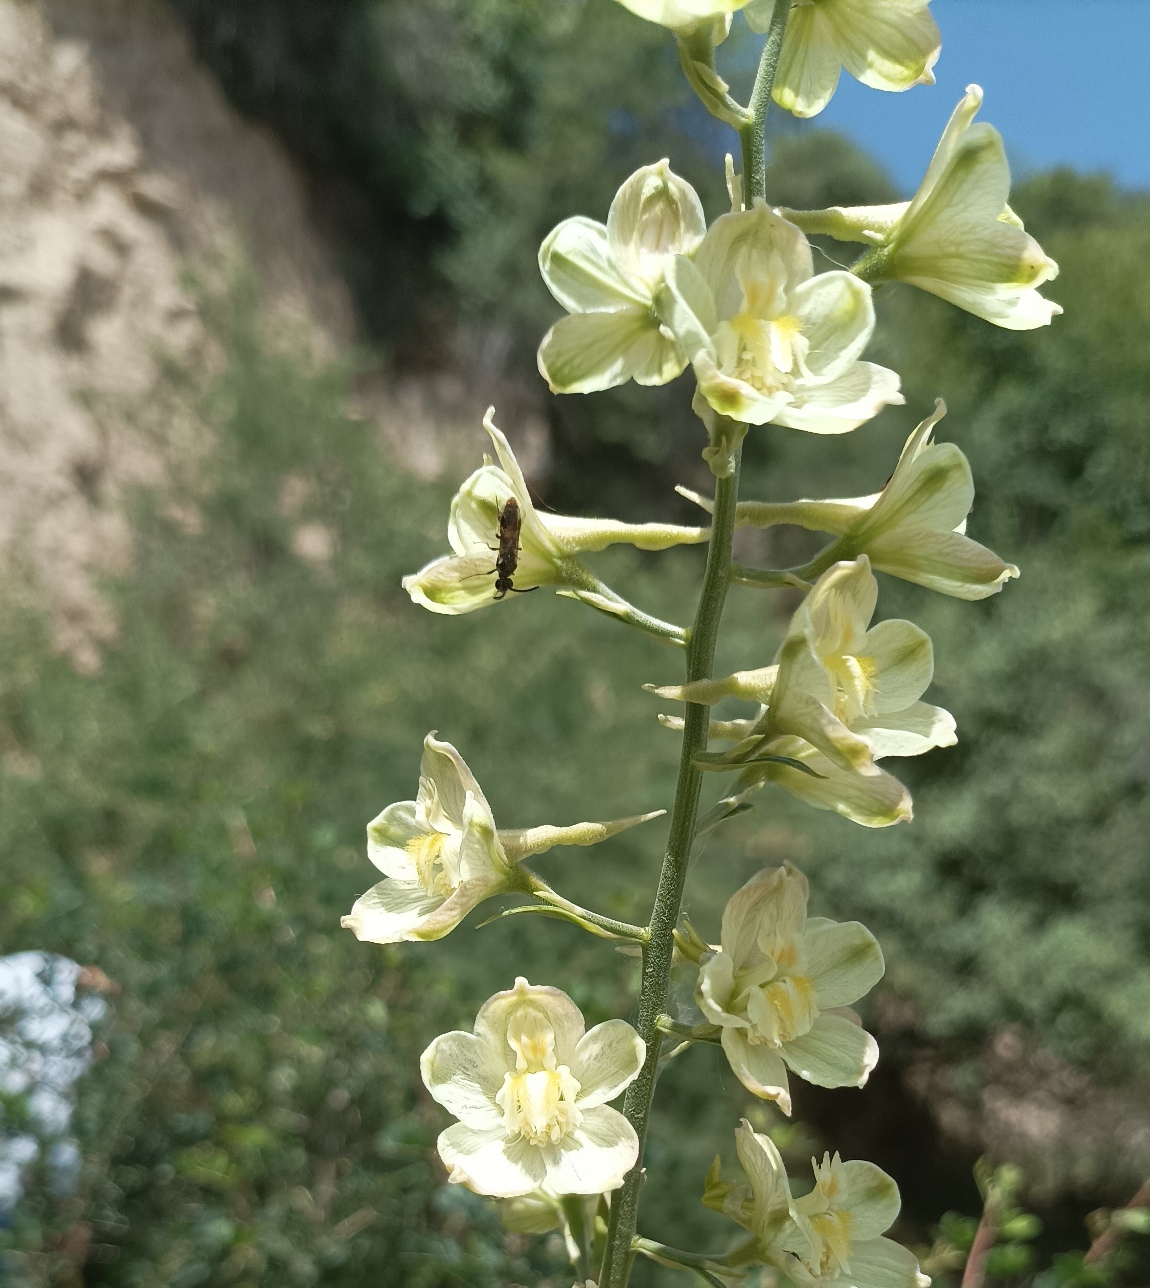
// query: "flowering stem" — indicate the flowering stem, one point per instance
point(753, 136)
point(669, 897)
point(657, 951)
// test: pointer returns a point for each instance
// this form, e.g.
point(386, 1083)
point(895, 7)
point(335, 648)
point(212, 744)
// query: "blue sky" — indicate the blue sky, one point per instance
point(1065, 82)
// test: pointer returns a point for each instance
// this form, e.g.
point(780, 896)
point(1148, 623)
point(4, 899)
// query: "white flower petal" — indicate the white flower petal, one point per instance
point(943, 561)
point(391, 912)
point(766, 915)
point(737, 244)
point(715, 988)
point(606, 1061)
point(844, 961)
point(870, 797)
point(934, 491)
point(903, 660)
point(681, 15)
point(763, 1165)
point(837, 312)
point(759, 1068)
point(580, 270)
point(655, 215)
point(835, 615)
point(554, 1006)
point(871, 1198)
point(835, 1053)
point(844, 403)
point(595, 1157)
point(481, 855)
point(388, 835)
point(803, 717)
point(810, 65)
point(452, 585)
point(454, 783)
point(886, 44)
point(490, 1163)
point(588, 352)
point(912, 732)
point(463, 1075)
point(881, 1263)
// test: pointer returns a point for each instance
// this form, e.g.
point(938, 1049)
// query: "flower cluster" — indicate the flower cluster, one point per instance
point(647, 295)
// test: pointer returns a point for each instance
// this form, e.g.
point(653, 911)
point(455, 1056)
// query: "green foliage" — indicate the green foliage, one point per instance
point(1019, 893)
point(446, 137)
point(191, 820)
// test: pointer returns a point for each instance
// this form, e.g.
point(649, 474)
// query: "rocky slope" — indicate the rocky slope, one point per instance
point(120, 164)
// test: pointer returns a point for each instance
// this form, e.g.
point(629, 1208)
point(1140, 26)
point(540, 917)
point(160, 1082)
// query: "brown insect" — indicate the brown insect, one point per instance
point(507, 560)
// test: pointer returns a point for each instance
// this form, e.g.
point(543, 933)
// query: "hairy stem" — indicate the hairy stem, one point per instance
point(672, 878)
point(619, 1250)
point(753, 136)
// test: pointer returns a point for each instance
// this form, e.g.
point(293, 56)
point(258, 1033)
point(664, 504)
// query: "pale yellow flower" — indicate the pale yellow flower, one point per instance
point(841, 696)
point(915, 528)
point(442, 854)
point(769, 341)
point(778, 984)
point(530, 1088)
point(831, 1236)
point(607, 277)
point(549, 544)
point(886, 44)
point(957, 238)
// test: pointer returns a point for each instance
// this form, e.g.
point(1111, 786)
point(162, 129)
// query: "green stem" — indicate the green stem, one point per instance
point(697, 1033)
point(619, 1250)
point(766, 579)
point(669, 896)
point(586, 588)
point(666, 1253)
point(753, 136)
point(580, 1232)
point(622, 929)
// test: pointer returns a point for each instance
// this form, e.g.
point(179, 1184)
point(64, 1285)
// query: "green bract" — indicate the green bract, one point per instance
point(957, 238)
point(607, 276)
point(833, 1235)
point(777, 984)
point(442, 855)
point(886, 44)
point(548, 543)
point(769, 341)
point(915, 528)
point(530, 1089)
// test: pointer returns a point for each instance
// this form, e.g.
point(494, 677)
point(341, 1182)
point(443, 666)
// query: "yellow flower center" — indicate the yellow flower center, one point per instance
point(787, 1010)
point(831, 1243)
point(763, 345)
point(855, 683)
point(426, 853)
point(538, 1099)
point(776, 998)
point(540, 1106)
